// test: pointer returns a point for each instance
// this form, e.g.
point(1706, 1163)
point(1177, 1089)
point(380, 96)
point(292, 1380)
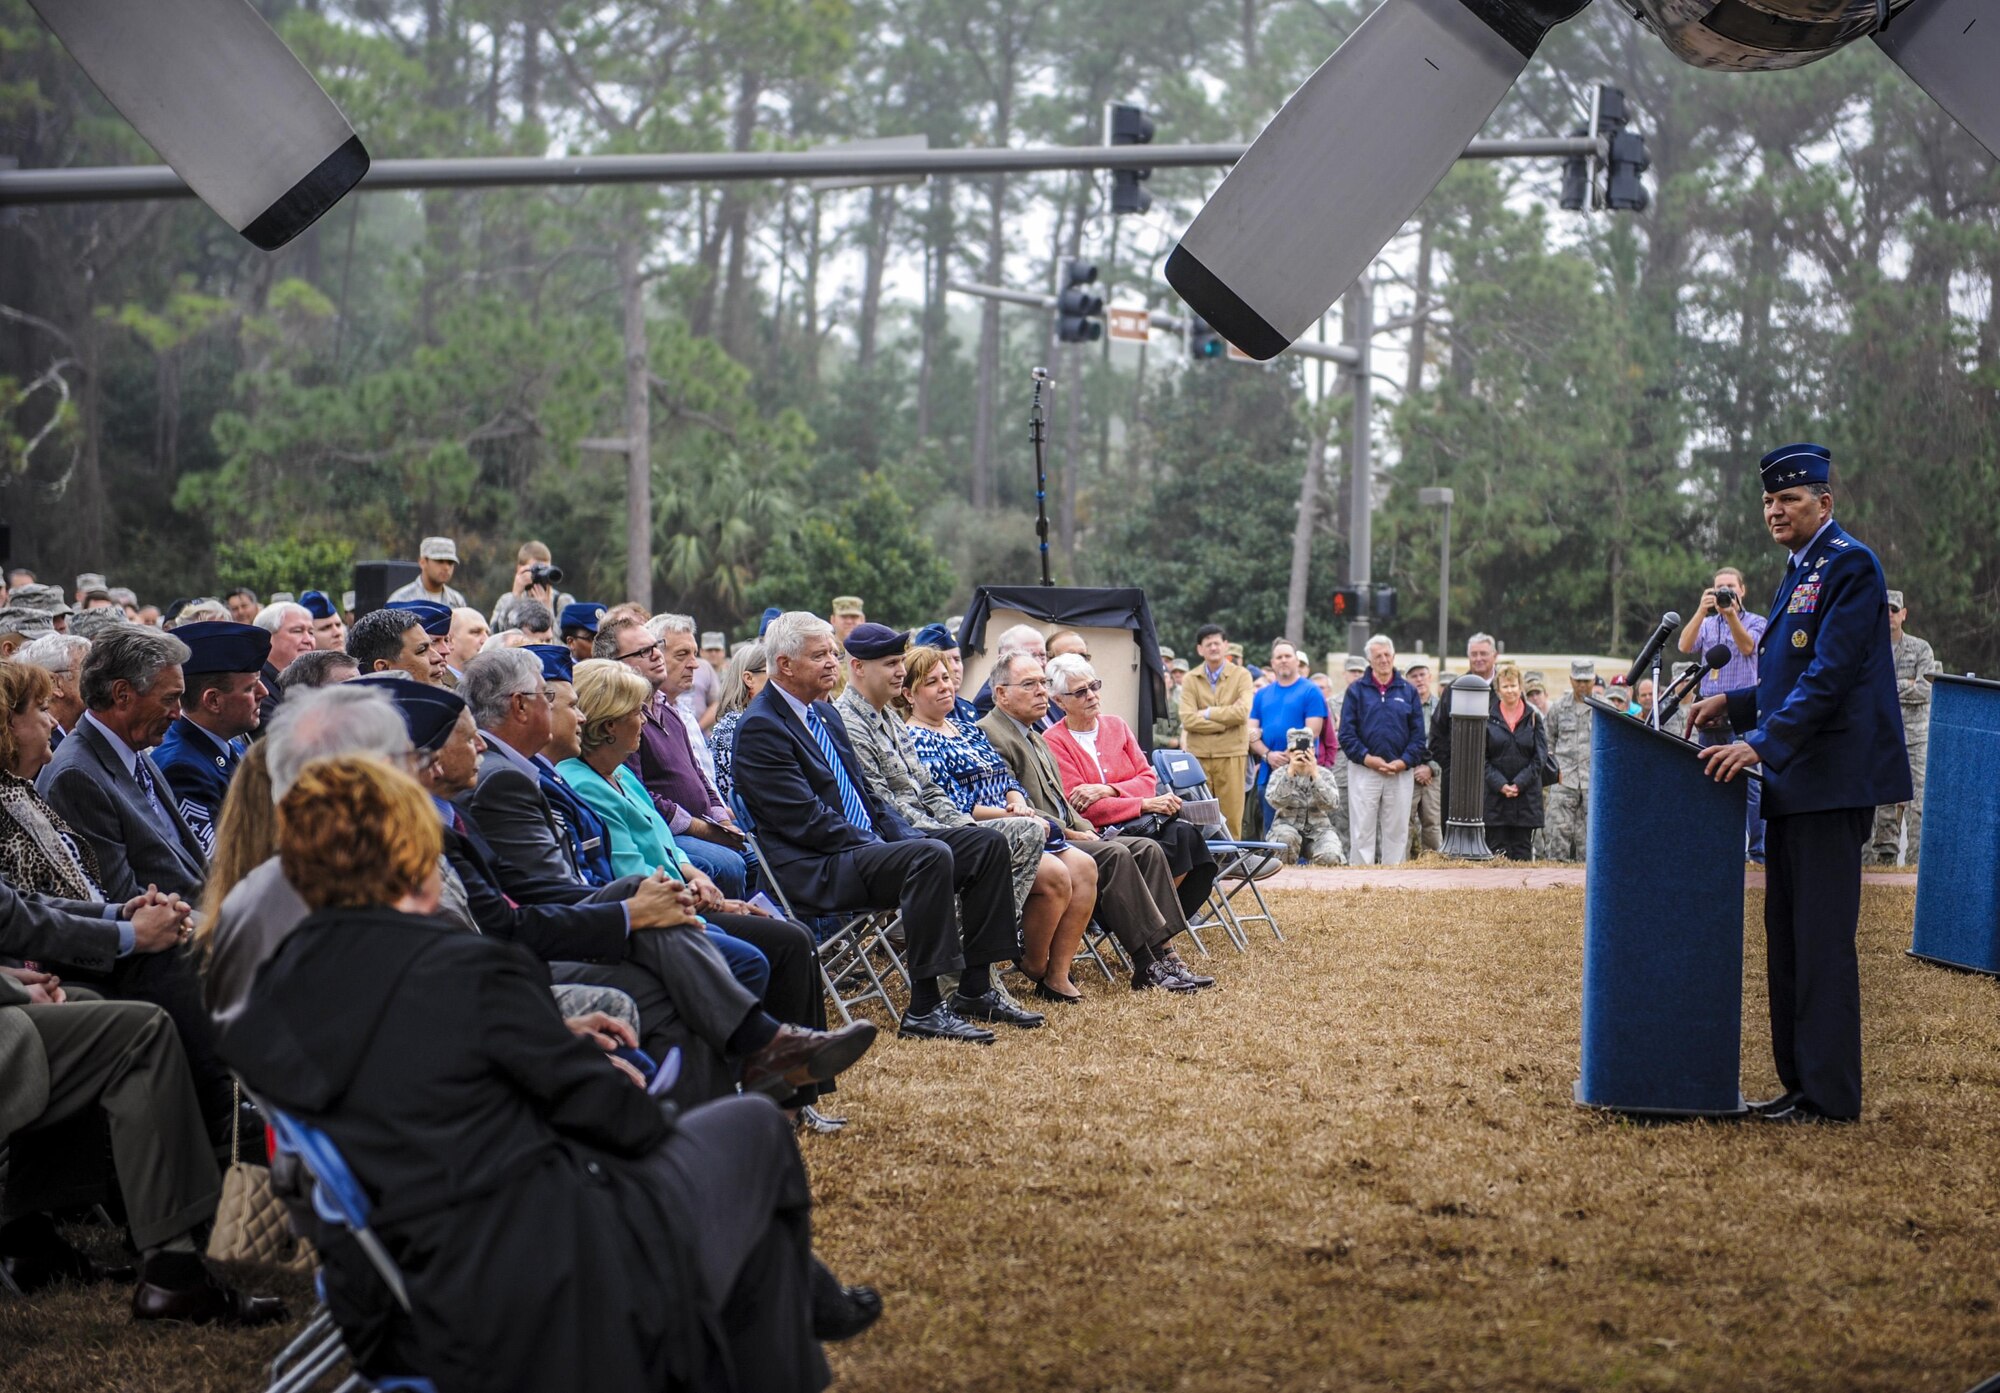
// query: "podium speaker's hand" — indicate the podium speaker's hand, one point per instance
point(1724, 762)
point(1710, 713)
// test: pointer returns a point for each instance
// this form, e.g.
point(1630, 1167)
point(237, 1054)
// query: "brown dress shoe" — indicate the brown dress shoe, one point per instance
point(797, 1056)
point(185, 1290)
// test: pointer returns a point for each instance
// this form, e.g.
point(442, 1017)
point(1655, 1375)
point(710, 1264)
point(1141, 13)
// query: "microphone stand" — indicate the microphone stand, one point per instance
point(1038, 436)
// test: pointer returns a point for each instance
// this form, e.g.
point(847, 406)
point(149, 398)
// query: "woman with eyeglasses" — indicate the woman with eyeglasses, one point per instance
point(1108, 778)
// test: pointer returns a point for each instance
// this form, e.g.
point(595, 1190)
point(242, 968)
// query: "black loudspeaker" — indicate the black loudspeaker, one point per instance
point(375, 581)
point(6, 547)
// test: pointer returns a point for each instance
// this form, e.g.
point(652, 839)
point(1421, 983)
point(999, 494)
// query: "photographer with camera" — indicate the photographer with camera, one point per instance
point(536, 577)
point(1304, 799)
point(1720, 618)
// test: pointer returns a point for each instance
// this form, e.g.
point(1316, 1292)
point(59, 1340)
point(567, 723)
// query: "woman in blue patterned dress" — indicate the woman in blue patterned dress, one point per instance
point(743, 676)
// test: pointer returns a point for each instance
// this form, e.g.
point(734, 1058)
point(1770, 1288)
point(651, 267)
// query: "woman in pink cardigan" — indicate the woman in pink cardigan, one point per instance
point(1111, 782)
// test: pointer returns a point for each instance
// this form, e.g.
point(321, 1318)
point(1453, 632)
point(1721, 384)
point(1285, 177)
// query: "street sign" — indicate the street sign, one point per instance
point(1128, 325)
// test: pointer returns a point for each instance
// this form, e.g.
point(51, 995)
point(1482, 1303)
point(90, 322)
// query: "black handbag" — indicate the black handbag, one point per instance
point(1144, 825)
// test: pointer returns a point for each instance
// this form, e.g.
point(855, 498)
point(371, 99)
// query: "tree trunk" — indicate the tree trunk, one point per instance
point(735, 220)
point(881, 218)
point(809, 293)
point(1302, 539)
point(638, 430)
point(1413, 381)
point(937, 270)
point(989, 344)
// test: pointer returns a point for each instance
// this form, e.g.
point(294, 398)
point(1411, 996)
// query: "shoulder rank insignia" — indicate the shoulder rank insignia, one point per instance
point(1798, 638)
point(1836, 541)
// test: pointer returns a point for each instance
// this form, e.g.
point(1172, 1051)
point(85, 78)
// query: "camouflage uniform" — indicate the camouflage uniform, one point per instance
point(1305, 812)
point(1567, 804)
point(1915, 664)
point(1167, 726)
point(898, 778)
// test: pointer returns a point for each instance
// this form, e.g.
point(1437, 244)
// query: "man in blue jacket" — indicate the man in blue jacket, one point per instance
point(1382, 735)
point(1823, 729)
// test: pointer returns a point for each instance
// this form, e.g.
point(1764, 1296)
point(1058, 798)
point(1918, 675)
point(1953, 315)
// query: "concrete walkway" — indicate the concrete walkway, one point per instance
point(1499, 875)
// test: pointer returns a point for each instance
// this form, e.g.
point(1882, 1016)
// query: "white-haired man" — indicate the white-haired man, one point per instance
point(61, 656)
point(1022, 638)
point(291, 628)
point(1382, 735)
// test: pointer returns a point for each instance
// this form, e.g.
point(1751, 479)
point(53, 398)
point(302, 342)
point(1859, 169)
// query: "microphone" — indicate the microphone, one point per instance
point(1668, 623)
point(1714, 660)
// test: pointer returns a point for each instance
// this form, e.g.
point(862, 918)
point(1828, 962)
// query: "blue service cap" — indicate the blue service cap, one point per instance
point(934, 636)
point(435, 618)
point(429, 712)
point(220, 646)
point(583, 615)
point(772, 613)
point(1789, 466)
point(876, 641)
point(558, 663)
point(318, 604)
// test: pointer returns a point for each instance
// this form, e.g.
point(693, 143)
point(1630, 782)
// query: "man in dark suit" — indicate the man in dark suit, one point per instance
point(1823, 728)
point(62, 1058)
point(1136, 897)
point(218, 712)
point(834, 848)
point(106, 784)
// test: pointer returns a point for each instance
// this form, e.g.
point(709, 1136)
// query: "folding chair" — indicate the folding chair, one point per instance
point(849, 946)
point(1181, 773)
point(338, 1199)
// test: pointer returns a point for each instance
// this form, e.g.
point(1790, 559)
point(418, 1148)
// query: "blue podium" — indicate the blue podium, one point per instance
point(1662, 927)
point(1958, 860)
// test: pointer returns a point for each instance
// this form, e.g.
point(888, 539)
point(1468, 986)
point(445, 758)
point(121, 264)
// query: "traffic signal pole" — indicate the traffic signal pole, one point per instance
point(1357, 327)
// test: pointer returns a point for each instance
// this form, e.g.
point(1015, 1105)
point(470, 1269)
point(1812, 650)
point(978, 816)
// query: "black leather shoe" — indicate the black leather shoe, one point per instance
point(941, 1023)
point(1780, 1103)
point(1172, 962)
point(993, 1007)
point(1043, 992)
point(844, 1316)
point(1157, 974)
point(169, 1293)
point(1801, 1112)
point(35, 1257)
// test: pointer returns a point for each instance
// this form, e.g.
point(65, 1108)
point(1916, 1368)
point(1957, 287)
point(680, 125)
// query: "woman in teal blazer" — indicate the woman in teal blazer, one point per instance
point(613, 712)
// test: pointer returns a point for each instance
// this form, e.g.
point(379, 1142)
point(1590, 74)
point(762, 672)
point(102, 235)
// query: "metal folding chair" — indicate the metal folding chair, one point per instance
point(1181, 773)
point(337, 1199)
point(850, 946)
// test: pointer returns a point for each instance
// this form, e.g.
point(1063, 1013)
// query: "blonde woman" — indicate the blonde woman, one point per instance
point(1516, 749)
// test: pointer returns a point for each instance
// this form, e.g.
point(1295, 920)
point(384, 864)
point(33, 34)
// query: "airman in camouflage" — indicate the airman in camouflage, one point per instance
point(1915, 666)
point(1305, 799)
point(1567, 802)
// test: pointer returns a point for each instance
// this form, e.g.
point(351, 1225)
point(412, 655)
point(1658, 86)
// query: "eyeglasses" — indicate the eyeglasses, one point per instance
point(545, 695)
point(648, 651)
point(1096, 685)
point(1033, 684)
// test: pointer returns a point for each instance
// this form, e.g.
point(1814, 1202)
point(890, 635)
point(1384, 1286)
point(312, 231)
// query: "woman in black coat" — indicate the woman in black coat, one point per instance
point(556, 1228)
point(1516, 746)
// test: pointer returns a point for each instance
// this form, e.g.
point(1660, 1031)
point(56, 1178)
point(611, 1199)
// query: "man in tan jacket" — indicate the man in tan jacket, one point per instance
point(1215, 721)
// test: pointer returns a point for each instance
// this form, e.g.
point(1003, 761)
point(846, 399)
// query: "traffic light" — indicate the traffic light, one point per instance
point(1126, 124)
point(1576, 179)
point(1350, 602)
point(1385, 602)
point(1204, 342)
point(1623, 189)
point(1078, 311)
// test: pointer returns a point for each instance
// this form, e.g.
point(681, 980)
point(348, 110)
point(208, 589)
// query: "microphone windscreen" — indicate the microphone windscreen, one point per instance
point(1717, 657)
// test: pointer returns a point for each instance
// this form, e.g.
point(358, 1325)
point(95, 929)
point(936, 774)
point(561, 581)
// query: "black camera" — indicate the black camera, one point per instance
point(1298, 741)
point(1725, 598)
point(550, 576)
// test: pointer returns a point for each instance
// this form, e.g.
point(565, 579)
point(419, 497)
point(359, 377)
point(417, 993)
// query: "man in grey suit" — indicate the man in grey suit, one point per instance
point(110, 791)
point(509, 700)
point(61, 1058)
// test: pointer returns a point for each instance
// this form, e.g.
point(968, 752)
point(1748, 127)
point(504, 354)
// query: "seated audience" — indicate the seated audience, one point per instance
point(318, 669)
point(577, 626)
point(219, 710)
point(743, 676)
point(293, 632)
point(833, 847)
point(946, 643)
point(1022, 638)
point(243, 605)
point(1137, 900)
point(667, 764)
point(463, 640)
point(387, 640)
point(64, 1057)
point(1053, 892)
point(1109, 779)
point(675, 1250)
point(536, 621)
point(61, 657)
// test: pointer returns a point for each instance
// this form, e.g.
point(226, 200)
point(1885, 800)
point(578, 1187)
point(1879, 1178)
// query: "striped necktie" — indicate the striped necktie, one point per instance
point(850, 796)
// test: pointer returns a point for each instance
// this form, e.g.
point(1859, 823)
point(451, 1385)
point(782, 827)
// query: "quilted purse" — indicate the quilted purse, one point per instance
point(251, 1225)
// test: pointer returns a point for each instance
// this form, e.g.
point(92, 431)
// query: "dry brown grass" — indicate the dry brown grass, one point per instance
point(1356, 1166)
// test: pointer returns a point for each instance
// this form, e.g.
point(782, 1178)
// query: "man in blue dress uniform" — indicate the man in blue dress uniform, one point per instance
point(1823, 728)
point(206, 742)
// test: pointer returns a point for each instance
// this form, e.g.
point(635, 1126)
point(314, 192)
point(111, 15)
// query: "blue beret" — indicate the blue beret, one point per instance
point(583, 615)
point(318, 605)
point(934, 636)
point(1789, 466)
point(558, 664)
point(876, 641)
point(221, 646)
point(772, 613)
point(429, 712)
point(435, 618)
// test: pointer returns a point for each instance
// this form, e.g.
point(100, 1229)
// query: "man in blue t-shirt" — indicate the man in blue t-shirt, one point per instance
point(1289, 702)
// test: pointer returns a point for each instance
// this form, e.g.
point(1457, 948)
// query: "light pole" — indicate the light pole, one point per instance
point(1442, 498)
